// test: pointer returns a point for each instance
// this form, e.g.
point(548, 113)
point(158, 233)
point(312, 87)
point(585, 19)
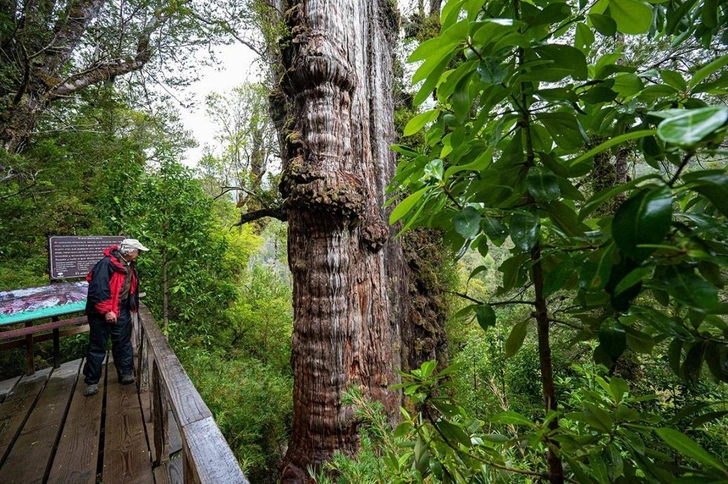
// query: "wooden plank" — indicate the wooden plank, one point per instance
point(32, 451)
point(78, 448)
point(211, 457)
point(126, 455)
point(17, 406)
point(160, 475)
point(6, 387)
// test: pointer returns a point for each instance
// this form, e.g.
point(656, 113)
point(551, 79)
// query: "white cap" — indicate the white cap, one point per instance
point(132, 244)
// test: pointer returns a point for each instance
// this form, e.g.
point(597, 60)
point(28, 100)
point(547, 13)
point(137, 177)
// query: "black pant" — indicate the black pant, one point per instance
point(121, 346)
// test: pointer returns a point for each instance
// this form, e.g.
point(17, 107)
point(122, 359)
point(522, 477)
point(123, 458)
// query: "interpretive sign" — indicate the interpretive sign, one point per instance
point(41, 302)
point(72, 256)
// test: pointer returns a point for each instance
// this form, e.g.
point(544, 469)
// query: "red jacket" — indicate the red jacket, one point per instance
point(106, 281)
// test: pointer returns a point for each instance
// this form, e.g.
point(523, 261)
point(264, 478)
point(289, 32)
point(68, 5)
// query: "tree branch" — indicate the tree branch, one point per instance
point(276, 212)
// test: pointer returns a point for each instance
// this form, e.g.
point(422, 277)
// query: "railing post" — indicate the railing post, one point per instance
point(29, 355)
point(159, 416)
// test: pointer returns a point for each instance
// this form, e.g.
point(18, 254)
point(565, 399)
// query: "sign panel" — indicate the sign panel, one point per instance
point(72, 256)
point(42, 302)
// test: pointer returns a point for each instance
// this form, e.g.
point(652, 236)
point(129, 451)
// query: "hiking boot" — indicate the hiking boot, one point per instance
point(127, 379)
point(91, 390)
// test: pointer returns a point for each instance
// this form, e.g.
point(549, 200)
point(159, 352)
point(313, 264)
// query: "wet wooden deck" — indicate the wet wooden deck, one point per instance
point(51, 432)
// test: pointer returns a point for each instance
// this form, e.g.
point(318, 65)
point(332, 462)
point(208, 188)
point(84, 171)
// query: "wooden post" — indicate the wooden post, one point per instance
point(56, 345)
point(29, 355)
point(161, 422)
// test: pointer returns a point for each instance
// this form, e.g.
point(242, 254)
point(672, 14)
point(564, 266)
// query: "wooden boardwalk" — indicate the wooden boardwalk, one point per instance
point(51, 432)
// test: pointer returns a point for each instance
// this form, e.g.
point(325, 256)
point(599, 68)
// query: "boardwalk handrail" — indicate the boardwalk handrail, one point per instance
point(206, 455)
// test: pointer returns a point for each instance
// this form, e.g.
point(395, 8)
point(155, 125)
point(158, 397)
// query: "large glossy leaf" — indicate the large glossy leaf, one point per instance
point(707, 70)
point(693, 126)
point(406, 205)
point(627, 84)
point(612, 142)
point(713, 185)
point(688, 447)
point(689, 288)
point(604, 24)
point(644, 218)
point(632, 16)
point(485, 315)
point(564, 128)
point(542, 184)
point(612, 338)
point(467, 223)
point(584, 38)
point(516, 338)
point(674, 79)
point(524, 230)
point(564, 56)
point(495, 230)
point(418, 122)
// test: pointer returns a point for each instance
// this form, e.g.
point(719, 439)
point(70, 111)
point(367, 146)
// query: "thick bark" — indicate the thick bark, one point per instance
point(335, 117)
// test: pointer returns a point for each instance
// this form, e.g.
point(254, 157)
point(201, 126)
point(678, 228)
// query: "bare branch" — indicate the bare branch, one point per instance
point(277, 212)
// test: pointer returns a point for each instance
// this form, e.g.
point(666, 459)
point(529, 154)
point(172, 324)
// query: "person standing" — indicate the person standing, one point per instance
point(113, 295)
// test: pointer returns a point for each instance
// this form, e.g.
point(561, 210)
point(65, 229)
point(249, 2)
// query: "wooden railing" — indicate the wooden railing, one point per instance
point(187, 445)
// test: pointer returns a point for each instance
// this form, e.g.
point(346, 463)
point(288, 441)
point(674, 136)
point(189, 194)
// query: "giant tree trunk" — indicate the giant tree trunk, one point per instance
point(335, 113)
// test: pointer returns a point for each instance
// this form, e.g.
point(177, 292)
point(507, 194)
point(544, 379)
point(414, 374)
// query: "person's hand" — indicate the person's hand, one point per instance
point(111, 317)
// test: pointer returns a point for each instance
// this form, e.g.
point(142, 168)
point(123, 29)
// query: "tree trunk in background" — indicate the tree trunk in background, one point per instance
point(36, 46)
point(334, 110)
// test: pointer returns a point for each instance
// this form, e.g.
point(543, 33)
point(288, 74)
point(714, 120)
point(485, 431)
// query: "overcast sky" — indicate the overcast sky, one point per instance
point(236, 66)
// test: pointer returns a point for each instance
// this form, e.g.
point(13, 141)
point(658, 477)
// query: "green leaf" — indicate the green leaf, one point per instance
point(631, 279)
point(431, 63)
point(687, 287)
point(510, 418)
point(612, 142)
point(485, 315)
point(542, 184)
point(639, 342)
point(688, 447)
point(425, 49)
point(495, 230)
point(564, 56)
point(709, 15)
point(712, 184)
point(418, 122)
point(612, 338)
point(584, 38)
point(674, 79)
point(604, 24)
point(627, 84)
point(644, 218)
point(453, 433)
point(632, 16)
point(432, 79)
point(707, 70)
point(690, 368)
point(516, 338)
point(467, 223)
point(406, 205)
point(524, 230)
point(564, 128)
point(598, 94)
point(674, 354)
point(693, 126)
point(599, 277)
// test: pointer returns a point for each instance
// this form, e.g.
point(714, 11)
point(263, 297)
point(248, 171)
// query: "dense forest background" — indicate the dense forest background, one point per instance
point(534, 138)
